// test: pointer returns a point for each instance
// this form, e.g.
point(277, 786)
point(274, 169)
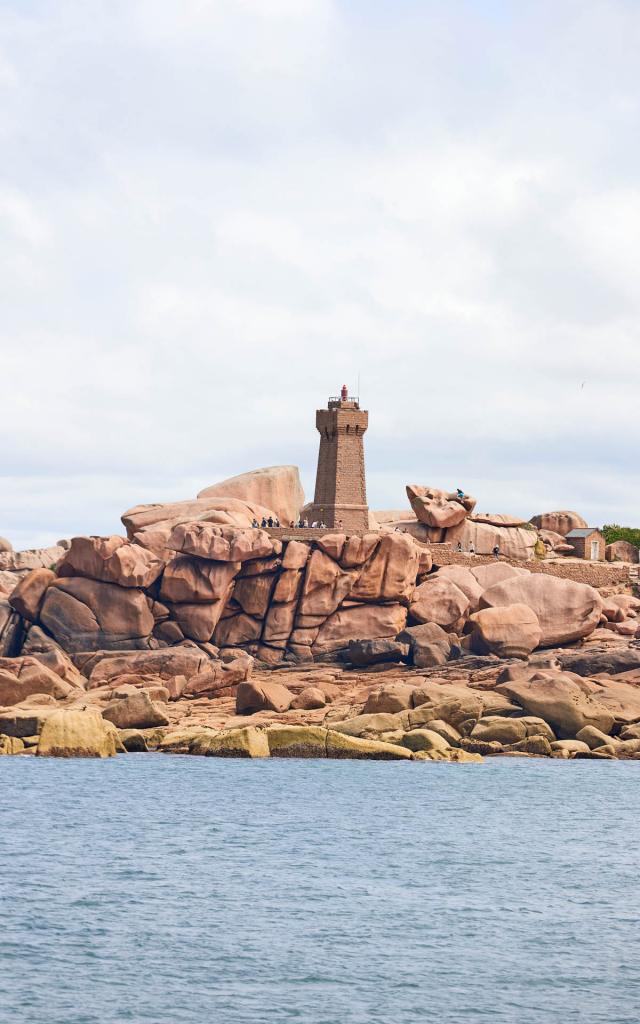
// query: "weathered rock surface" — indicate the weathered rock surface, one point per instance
point(510, 631)
point(560, 701)
point(87, 615)
point(28, 596)
point(438, 600)
point(111, 560)
point(360, 622)
point(513, 541)
point(76, 734)
point(104, 666)
point(21, 677)
point(274, 487)
point(621, 551)
point(221, 543)
point(245, 742)
point(565, 610)
point(373, 652)
point(136, 711)
point(437, 508)
point(252, 696)
point(559, 522)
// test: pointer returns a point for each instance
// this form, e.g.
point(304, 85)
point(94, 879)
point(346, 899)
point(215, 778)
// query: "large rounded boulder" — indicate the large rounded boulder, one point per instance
point(559, 522)
point(275, 487)
point(509, 632)
point(566, 611)
point(438, 600)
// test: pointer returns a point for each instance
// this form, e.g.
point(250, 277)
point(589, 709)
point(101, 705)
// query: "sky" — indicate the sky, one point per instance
point(213, 213)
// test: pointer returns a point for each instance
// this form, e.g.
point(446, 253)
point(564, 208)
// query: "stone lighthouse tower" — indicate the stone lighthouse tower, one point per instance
point(341, 492)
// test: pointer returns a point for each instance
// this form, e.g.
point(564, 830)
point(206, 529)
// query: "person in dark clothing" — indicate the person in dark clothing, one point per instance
point(263, 523)
point(496, 551)
point(270, 522)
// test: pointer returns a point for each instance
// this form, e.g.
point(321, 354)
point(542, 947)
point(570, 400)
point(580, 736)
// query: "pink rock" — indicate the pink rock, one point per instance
point(24, 676)
point(622, 551)
point(565, 610)
point(255, 696)
point(310, 698)
point(359, 622)
point(221, 543)
point(196, 580)
point(439, 509)
point(438, 600)
point(295, 555)
point(87, 615)
point(275, 487)
point(111, 560)
point(28, 596)
point(510, 632)
point(325, 585)
point(559, 522)
point(390, 574)
point(465, 581)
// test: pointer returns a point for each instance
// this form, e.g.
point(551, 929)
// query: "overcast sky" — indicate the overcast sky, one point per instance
point(215, 212)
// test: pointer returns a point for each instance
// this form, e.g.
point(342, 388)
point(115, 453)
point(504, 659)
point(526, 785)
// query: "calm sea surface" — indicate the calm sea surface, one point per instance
point(156, 888)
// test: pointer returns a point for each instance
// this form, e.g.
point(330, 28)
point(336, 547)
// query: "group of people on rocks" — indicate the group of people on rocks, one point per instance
point(272, 522)
point(472, 549)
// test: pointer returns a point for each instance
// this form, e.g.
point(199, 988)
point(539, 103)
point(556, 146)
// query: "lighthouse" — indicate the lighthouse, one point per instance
point(340, 498)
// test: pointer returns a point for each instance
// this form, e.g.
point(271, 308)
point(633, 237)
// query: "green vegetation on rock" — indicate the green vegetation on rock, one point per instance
point(613, 532)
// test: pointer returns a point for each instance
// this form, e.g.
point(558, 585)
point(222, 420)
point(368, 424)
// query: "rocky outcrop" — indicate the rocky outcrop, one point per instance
point(565, 704)
point(110, 560)
point(622, 551)
point(27, 597)
point(24, 676)
point(559, 522)
point(86, 615)
point(274, 487)
point(439, 509)
point(513, 541)
point(76, 734)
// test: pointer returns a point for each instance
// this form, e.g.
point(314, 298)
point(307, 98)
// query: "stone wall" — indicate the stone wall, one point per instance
point(596, 574)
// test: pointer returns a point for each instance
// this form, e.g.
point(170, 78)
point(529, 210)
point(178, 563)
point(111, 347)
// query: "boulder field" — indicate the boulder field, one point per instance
point(223, 641)
point(200, 633)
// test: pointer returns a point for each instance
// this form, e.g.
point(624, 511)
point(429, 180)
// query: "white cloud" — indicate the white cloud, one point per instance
point(214, 213)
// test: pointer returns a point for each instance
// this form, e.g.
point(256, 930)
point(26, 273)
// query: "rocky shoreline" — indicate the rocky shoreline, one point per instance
point(195, 634)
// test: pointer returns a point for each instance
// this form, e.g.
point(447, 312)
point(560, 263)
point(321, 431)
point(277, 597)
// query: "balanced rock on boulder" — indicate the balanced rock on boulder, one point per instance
point(437, 508)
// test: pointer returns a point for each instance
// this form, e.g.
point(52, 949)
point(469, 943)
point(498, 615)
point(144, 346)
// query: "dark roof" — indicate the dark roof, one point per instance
point(583, 533)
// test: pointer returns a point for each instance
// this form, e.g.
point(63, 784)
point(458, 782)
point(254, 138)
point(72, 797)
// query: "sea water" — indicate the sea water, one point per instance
point(155, 888)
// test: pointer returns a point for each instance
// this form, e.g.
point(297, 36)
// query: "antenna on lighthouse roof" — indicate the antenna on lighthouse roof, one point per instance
point(359, 386)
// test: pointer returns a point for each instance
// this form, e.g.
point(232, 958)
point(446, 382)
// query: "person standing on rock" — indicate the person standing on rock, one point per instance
point(496, 551)
point(472, 548)
point(459, 547)
point(263, 523)
point(254, 523)
point(270, 522)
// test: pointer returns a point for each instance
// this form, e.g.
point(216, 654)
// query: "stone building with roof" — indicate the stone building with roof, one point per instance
point(587, 543)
